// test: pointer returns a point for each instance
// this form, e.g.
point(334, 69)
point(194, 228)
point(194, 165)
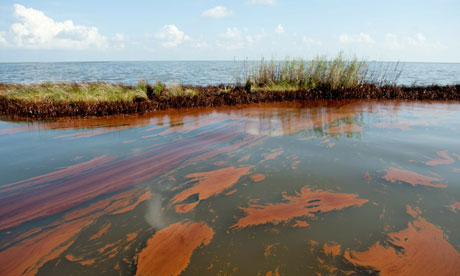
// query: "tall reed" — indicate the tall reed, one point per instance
point(338, 73)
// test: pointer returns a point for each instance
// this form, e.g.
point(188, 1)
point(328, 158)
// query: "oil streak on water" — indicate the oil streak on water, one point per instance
point(327, 187)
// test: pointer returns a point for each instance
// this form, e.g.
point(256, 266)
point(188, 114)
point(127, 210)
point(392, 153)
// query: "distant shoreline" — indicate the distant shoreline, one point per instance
point(204, 96)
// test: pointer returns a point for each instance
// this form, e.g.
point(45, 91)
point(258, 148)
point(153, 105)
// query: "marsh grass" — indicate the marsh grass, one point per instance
point(73, 92)
point(321, 72)
point(92, 92)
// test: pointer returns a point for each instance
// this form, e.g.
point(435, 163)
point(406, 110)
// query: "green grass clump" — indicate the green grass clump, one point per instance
point(294, 74)
point(73, 92)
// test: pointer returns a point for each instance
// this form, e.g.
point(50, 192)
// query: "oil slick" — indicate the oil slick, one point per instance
point(195, 191)
point(209, 184)
point(306, 203)
point(398, 175)
point(417, 250)
point(168, 252)
point(444, 159)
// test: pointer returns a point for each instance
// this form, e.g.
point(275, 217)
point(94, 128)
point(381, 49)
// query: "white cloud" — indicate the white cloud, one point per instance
point(171, 36)
point(392, 41)
point(310, 41)
point(199, 44)
point(419, 40)
point(233, 39)
point(37, 31)
point(118, 41)
point(231, 33)
point(262, 2)
point(361, 38)
point(3, 39)
point(119, 37)
point(217, 12)
point(279, 29)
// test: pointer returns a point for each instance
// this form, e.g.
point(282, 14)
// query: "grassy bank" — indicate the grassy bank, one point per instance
point(267, 81)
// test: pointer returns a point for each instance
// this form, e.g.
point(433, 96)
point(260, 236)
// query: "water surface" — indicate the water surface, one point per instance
point(202, 72)
point(327, 187)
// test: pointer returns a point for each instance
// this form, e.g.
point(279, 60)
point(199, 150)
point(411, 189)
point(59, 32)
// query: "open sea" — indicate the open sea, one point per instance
point(199, 72)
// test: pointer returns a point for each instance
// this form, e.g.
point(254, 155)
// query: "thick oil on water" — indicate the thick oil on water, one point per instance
point(318, 188)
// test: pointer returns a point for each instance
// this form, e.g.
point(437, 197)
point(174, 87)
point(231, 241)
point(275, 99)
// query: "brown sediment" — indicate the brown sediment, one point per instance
point(131, 207)
point(87, 262)
point(454, 207)
point(230, 192)
point(301, 223)
point(272, 155)
point(107, 246)
point(331, 145)
point(72, 258)
point(131, 236)
point(306, 203)
point(105, 177)
point(420, 249)
point(211, 183)
point(393, 175)
point(444, 159)
point(413, 212)
point(100, 232)
point(185, 208)
point(333, 249)
point(33, 250)
point(257, 177)
point(29, 255)
point(268, 249)
point(220, 163)
point(168, 252)
point(273, 273)
point(344, 128)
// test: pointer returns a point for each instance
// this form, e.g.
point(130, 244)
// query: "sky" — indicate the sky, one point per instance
point(83, 30)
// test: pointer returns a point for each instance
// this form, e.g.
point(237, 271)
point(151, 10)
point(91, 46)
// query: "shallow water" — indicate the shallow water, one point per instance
point(202, 72)
point(335, 188)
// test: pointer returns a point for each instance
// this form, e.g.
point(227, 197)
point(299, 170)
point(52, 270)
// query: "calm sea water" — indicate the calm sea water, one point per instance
point(317, 188)
point(194, 72)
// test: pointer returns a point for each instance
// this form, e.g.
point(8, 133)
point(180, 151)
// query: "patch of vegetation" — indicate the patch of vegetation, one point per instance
point(300, 74)
point(73, 92)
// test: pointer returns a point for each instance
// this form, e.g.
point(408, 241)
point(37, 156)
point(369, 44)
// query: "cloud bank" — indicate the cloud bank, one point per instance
point(35, 30)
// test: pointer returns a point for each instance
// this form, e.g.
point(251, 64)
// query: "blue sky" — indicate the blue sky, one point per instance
point(224, 30)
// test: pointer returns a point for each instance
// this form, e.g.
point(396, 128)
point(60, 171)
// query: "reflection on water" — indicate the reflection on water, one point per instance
point(330, 188)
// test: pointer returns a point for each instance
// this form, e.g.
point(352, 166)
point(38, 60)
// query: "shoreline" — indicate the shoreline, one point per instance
point(213, 96)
